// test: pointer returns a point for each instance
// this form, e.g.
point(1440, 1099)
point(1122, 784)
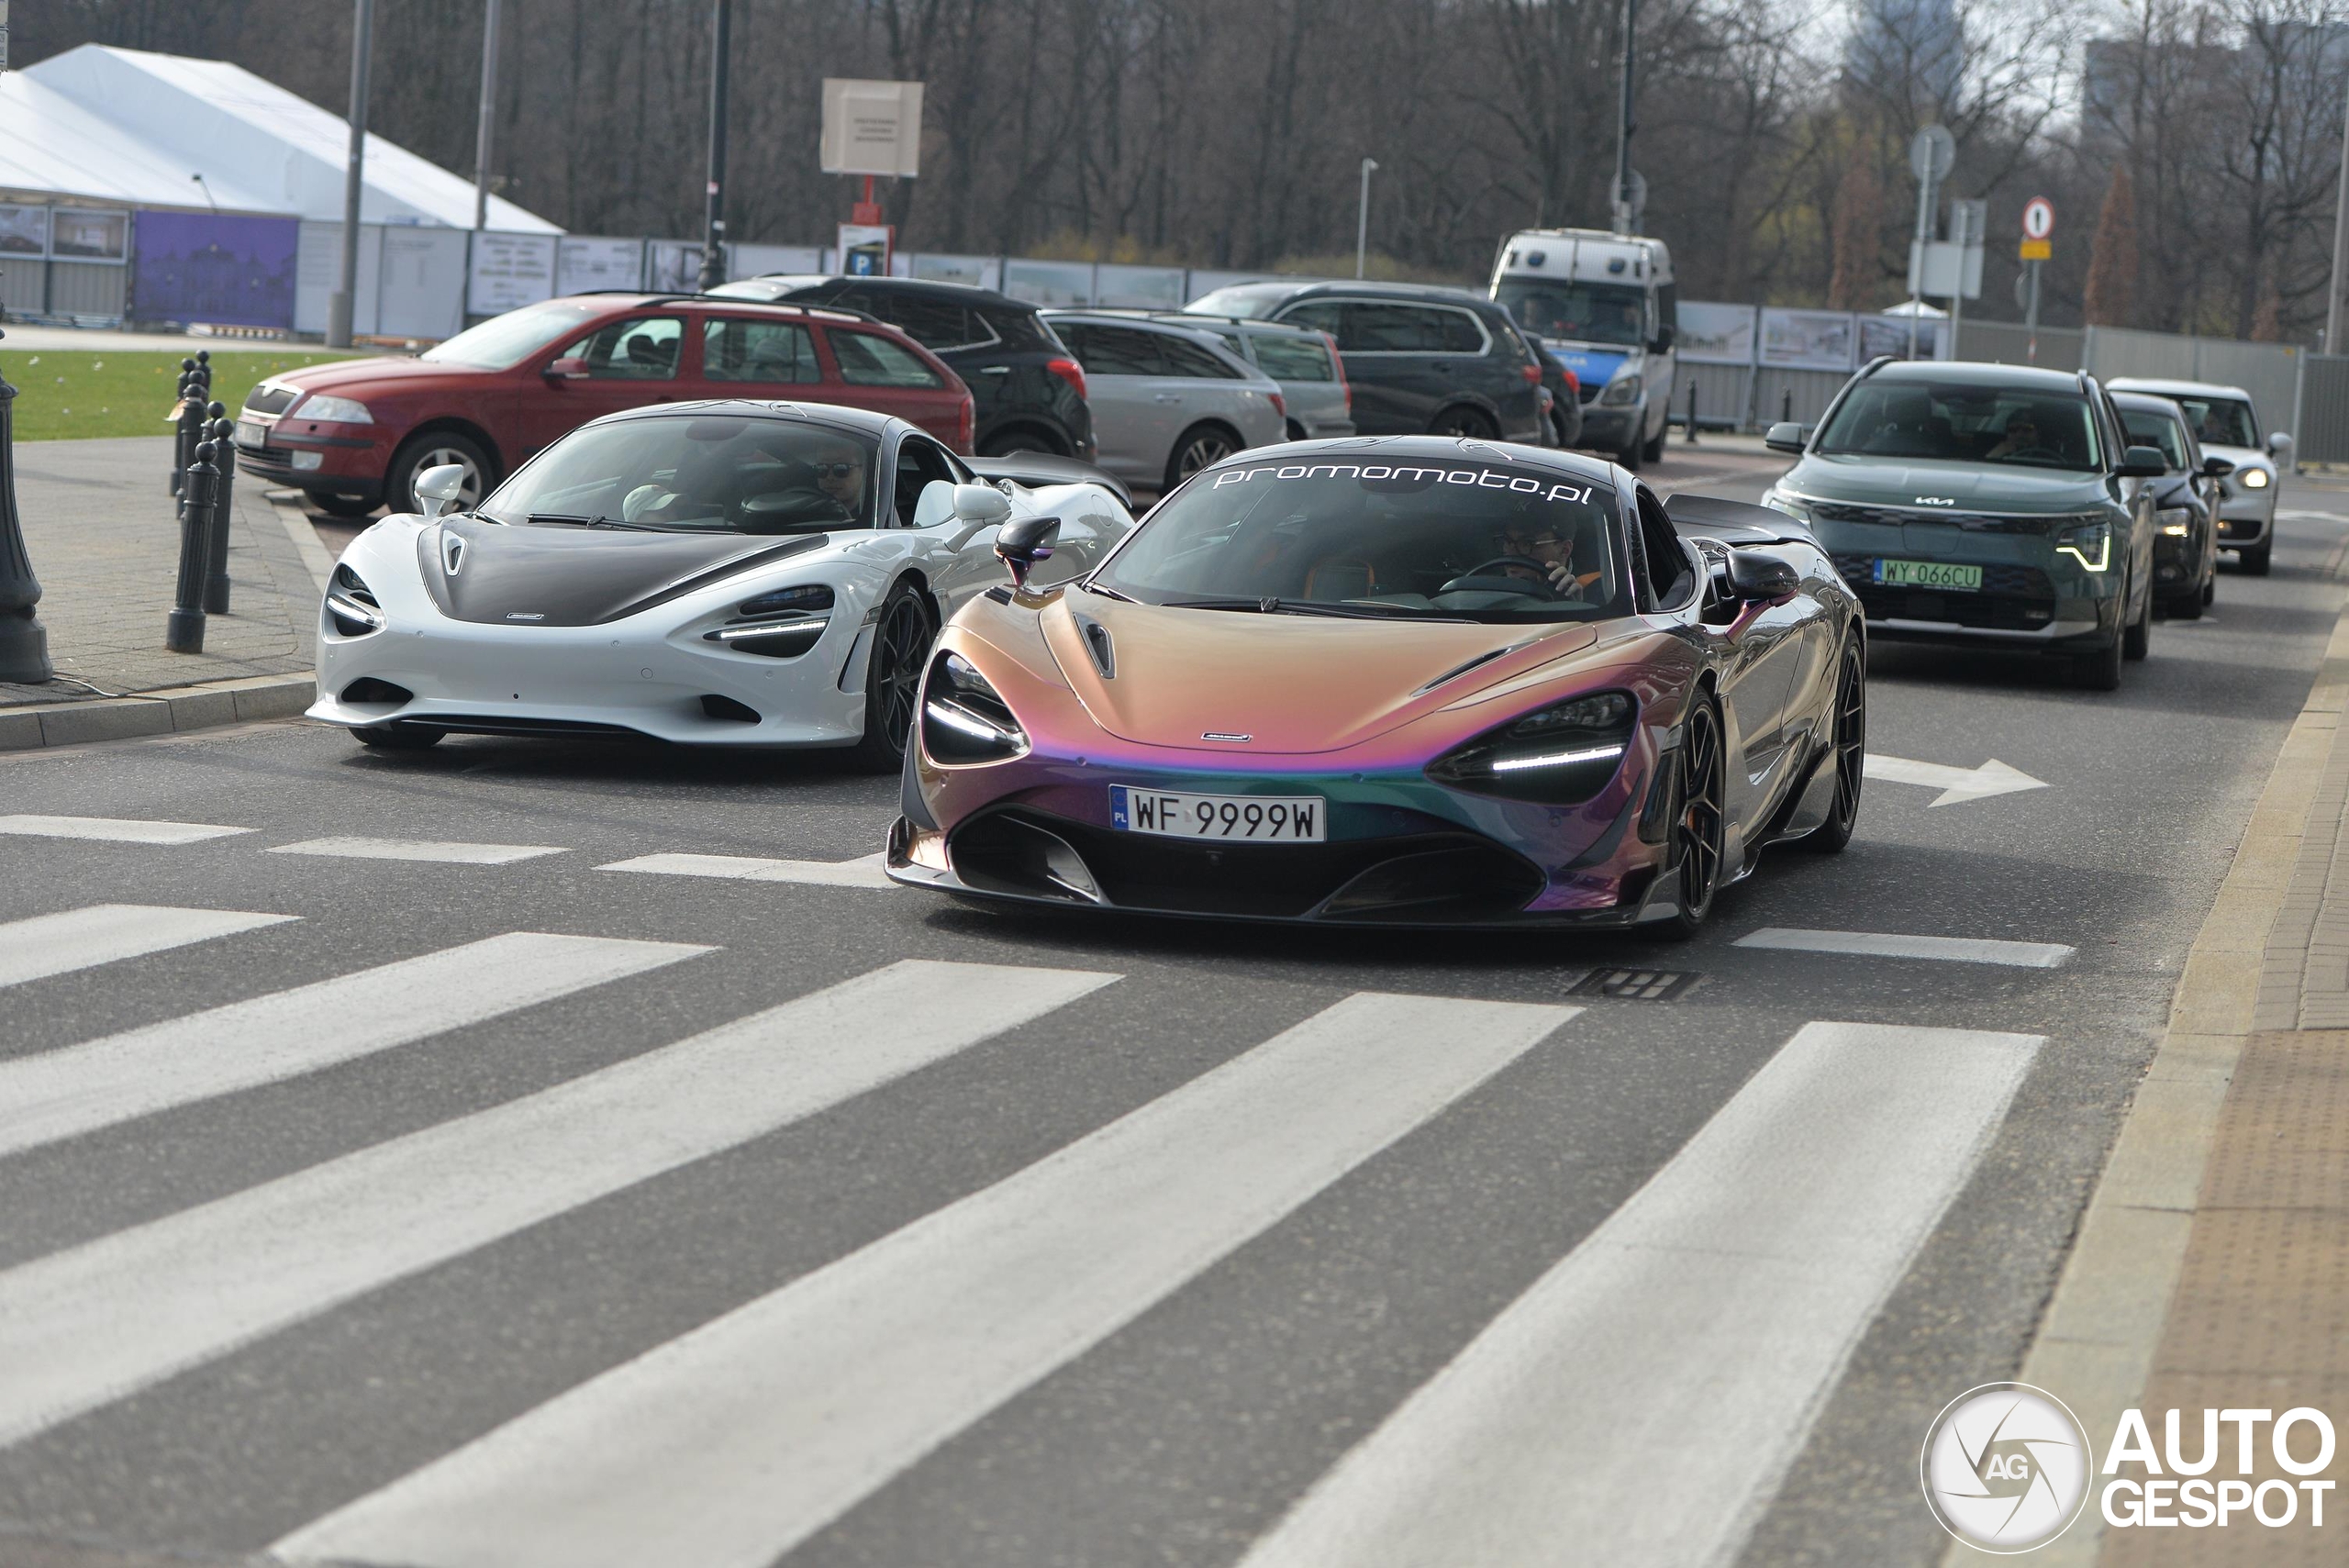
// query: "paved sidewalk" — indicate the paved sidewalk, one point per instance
point(99, 525)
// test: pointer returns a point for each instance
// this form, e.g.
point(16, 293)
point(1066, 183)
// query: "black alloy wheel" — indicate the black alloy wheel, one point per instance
point(1700, 832)
point(1201, 445)
point(1850, 744)
point(901, 641)
point(1467, 424)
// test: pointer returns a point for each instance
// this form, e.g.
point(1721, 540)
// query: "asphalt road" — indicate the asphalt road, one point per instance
point(718, 1237)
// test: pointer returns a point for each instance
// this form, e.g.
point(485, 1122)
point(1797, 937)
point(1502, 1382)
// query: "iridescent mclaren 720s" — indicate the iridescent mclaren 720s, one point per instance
point(1412, 681)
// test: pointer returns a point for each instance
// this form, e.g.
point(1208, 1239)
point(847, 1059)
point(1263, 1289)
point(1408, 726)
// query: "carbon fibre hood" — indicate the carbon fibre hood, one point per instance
point(1279, 684)
point(499, 575)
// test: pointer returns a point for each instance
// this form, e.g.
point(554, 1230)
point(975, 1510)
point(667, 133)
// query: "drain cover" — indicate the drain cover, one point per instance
point(1635, 984)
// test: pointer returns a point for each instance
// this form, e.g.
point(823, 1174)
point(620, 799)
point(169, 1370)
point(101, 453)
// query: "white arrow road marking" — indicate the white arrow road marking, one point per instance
point(1992, 777)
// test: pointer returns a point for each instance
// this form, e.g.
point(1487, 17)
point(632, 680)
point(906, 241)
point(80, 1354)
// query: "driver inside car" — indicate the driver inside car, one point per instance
point(1552, 549)
point(2022, 436)
point(840, 472)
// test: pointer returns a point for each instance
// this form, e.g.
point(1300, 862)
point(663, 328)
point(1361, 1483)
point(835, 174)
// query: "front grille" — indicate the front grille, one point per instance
point(1972, 522)
point(278, 457)
point(1431, 877)
point(268, 399)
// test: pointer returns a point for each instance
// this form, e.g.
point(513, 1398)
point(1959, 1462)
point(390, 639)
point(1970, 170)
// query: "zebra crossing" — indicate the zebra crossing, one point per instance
point(1677, 1355)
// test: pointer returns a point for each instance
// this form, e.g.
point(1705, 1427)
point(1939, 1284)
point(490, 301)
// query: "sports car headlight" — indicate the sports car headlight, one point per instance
point(1623, 389)
point(334, 410)
point(1560, 755)
point(963, 721)
point(2253, 478)
point(2177, 521)
point(780, 625)
point(2090, 544)
point(351, 608)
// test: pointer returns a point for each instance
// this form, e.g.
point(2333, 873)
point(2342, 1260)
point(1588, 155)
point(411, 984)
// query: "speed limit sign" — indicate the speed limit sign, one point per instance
point(2038, 229)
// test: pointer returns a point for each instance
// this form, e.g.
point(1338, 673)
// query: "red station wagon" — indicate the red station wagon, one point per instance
point(355, 434)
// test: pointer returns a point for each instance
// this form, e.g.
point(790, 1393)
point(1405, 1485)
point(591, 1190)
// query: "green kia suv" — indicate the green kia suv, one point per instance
point(1988, 504)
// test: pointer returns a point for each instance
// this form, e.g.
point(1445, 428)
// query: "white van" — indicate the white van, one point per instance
point(1605, 304)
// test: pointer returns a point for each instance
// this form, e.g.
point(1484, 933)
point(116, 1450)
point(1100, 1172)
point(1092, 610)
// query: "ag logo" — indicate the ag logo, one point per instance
point(2005, 1467)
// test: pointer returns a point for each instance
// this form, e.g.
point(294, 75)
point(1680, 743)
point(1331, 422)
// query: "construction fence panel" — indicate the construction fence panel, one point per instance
point(2012, 343)
point(2269, 372)
point(1724, 395)
point(1797, 394)
point(2323, 434)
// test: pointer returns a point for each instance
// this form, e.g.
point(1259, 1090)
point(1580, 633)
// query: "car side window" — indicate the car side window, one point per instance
point(920, 462)
point(1458, 332)
point(770, 352)
point(1116, 351)
point(640, 348)
point(934, 324)
point(867, 358)
point(1320, 314)
point(1191, 360)
point(1284, 358)
point(1664, 568)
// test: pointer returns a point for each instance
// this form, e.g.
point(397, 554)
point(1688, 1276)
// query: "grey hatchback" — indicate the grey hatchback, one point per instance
point(1420, 359)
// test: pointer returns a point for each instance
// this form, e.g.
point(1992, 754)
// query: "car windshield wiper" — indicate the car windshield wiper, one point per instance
point(1296, 607)
point(1092, 587)
point(597, 522)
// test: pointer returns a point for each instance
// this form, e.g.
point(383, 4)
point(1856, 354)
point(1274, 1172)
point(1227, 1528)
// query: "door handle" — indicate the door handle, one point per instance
point(994, 370)
point(1167, 397)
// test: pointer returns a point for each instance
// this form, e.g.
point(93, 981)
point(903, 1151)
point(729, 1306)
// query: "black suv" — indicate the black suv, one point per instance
point(1029, 387)
point(1420, 359)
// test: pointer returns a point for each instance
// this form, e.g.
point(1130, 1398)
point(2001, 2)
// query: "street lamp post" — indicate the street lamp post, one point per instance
point(713, 249)
point(1625, 123)
point(24, 641)
point(1362, 219)
point(486, 137)
point(341, 307)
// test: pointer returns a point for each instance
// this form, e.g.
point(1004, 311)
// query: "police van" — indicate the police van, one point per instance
point(1605, 304)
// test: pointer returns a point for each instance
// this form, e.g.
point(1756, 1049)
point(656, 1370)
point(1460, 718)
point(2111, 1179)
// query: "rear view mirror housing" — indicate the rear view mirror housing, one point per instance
point(1022, 544)
point(1785, 436)
point(2217, 468)
point(437, 489)
point(2279, 447)
point(2142, 462)
point(570, 367)
point(981, 503)
point(1759, 577)
point(1664, 337)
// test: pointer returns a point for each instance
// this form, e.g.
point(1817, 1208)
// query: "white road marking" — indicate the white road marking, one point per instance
point(723, 1447)
point(1890, 944)
point(1639, 1404)
point(1955, 784)
point(864, 871)
point(114, 829)
point(79, 1088)
point(106, 933)
point(83, 1327)
point(417, 850)
point(2303, 515)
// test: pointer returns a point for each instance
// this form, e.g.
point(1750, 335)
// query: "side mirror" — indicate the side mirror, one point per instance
point(437, 488)
point(1022, 544)
point(2279, 446)
point(2142, 462)
point(1785, 436)
point(1662, 343)
point(570, 367)
point(2216, 468)
point(1761, 578)
point(981, 503)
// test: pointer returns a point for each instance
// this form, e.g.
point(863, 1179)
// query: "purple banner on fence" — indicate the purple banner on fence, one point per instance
point(196, 266)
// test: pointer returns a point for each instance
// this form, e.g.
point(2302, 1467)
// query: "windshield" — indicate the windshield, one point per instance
point(1434, 541)
point(2221, 421)
point(1577, 313)
point(2156, 431)
point(1243, 299)
point(1966, 422)
point(503, 341)
point(695, 475)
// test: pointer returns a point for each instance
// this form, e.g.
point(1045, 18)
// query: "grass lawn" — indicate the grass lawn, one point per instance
point(72, 394)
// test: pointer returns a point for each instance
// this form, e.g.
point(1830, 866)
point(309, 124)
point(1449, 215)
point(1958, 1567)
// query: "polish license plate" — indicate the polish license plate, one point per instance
point(1929, 574)
point(251, 433)
point(1260, 819)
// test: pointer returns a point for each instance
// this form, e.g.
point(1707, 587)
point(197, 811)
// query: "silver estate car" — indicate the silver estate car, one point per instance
point(1168, 400)
point(1305, 362)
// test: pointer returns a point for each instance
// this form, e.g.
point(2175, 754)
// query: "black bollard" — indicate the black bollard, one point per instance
point(1787, 407)
point(190, 429)
point(184, 632)
point(184, 428)
point(224, 458)
point(1692, 411)
point(24, 642)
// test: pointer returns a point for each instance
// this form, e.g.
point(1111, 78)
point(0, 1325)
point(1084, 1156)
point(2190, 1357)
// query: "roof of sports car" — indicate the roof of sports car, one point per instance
point(1457, 448)
point(860, 420)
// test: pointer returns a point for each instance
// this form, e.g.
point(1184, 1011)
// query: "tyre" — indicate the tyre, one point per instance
point(2254, 559)
point(2137, 636)
point(1296, 432)
point(434, 450)
point(1653, 450)
point(1197, 447)
point(2211, 589)
point(901, 640)
point(338, 506)
point(1629, 456)
point(398, 737)
point(1851, 743)
point(1700, 831)
point(2101, 670)
point(2186, 607)
point(1469, 424)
